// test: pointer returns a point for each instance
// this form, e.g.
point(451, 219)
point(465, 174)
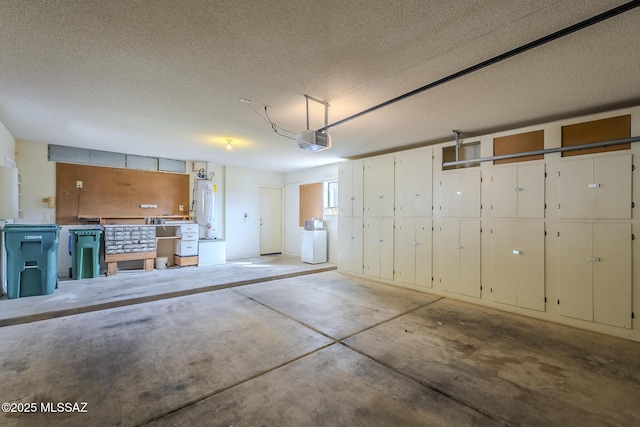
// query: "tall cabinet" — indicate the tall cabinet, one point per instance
point(350, 212)
point(413, 217)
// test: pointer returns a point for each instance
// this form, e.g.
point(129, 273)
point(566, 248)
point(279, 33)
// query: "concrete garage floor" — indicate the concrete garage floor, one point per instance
point(319, 349)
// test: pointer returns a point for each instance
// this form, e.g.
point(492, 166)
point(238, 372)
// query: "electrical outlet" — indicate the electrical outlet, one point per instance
point(78, 184)
point(181, 208)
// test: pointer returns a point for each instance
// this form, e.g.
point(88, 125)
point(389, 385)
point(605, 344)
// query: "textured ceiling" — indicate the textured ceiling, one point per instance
point(165, 78)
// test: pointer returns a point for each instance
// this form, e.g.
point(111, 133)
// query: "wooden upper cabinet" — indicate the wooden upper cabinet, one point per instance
point(597, 131)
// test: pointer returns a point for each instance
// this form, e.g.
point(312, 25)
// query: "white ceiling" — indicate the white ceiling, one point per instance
point(165, 78)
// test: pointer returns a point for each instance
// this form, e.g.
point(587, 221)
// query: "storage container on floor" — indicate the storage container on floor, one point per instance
point(32, 259)
point(85, 253)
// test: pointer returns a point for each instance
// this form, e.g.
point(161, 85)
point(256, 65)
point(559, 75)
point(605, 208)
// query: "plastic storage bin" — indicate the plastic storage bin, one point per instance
point(85, 253)
point(32, 259)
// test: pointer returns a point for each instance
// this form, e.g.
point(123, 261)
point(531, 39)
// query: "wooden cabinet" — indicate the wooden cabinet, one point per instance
point(413, 183)
point(517, 264)
point(460, 256)
point(379, 186)
point(460, 193)
point(518, 191)
point(378, 247)
point(413, 250)
point(351, 244)
point(351, 188)
point(595, 188)
point(594, 262)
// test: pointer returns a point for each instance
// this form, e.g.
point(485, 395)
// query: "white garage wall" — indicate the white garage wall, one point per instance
point(242, 195)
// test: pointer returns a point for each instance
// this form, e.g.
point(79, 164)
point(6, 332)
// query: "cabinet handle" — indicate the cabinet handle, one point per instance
point(417, 195)
point(594, 185)
point(380, 197)
point(380, 240)
point(353, 198)
point(415, 243)
point(460, 247)
point(459, 193)
point(516, 252)
point(517, 189)
point(593, 259)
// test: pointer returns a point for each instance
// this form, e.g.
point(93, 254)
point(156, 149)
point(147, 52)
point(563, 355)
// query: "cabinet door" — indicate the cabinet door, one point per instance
point(470, 200)
point(357, 188)
point(345, 188)
point(504, 269)
point(449, 194)
point(372, 240)
point(576, 198)
point(575, 245)
point(405, 250)
point(413, 177)
point(530, 265)
point(530, 191)
point(357, 245)
point(470, 257)
point(612, 274)
point(504, 198)
point(351, 244)
point(386, 248)
point(345, 252)
point(379, 186)
point(612, 182)
point(423, 253)
point(450, 255)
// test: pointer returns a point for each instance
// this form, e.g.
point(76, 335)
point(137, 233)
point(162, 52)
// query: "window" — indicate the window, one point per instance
point(331, 198)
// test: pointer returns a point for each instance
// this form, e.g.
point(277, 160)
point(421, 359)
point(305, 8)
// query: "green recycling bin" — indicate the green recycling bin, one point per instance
point(32, 259)
point(85, 253)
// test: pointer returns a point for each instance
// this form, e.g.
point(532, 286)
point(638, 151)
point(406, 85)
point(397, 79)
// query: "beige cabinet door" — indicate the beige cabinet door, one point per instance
point(504, 196)
point(386, 248)
point(345, 253)
point(575, 246)
point(405, 250)
point(530, 191)
point(504, 268)
point(470, 257)
point(575, 195)
point(379, 186)
point(423, 252)
point(351, 244)
point(598, 188)
point(450, 255)
point(460, 194)
point(350, 190)
point(357, 188)
point(413, 183)
point(345, 188)
point(378, 247)
point(612, 274)
point(612, 182)
point(530, 264)
point(372, 240)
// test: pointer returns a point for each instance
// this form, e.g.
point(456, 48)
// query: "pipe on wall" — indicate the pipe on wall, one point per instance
point(545, 151)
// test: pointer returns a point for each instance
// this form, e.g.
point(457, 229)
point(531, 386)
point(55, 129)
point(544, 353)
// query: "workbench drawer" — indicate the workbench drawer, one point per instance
point(187, 248)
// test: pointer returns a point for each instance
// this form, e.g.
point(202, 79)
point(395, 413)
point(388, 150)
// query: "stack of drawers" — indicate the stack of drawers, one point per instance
point(128, 239)
point(186, 251)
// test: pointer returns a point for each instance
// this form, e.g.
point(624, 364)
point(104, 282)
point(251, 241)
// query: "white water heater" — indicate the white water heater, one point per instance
point(204, 204)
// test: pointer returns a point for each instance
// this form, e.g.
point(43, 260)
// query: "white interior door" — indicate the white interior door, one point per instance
point(270, 220)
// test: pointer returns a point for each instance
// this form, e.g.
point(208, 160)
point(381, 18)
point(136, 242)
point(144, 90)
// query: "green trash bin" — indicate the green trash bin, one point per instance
point(32, 259)
point(85, 253)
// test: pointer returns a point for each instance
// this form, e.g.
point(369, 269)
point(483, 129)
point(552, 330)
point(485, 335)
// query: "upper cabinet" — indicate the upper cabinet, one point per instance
point(351, 188)
point(379, 186)
point(596, 188)
point(518, 191)
point(413, 179)
point(460, 194)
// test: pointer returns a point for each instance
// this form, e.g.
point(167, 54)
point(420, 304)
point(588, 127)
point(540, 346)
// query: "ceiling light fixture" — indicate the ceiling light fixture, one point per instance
point(315, 140)
point(229, 147)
